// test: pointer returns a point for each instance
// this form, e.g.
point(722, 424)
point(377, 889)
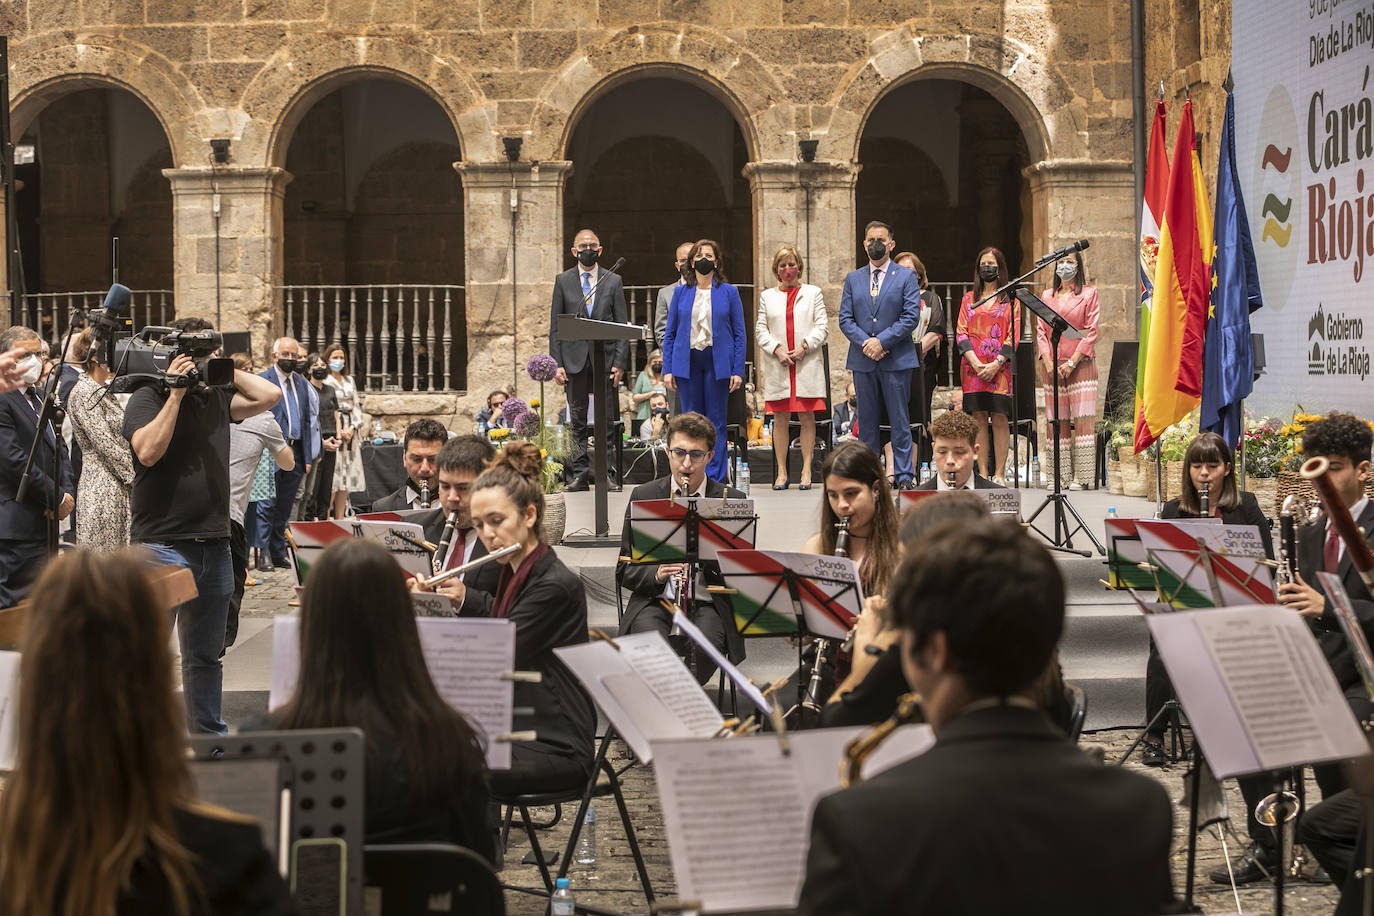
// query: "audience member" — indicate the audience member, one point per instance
point(99, 815)
point(348, 468)
point(297, 413)
point(843, 416)
point(319, 483)
point(491, 417)
point(654, 426)
point(648, 384)
point(97, 419)
point(361, 665)
point(420, 447)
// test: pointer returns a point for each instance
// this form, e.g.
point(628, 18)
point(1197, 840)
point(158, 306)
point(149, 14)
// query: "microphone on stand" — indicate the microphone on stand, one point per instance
point(591, 293)
point(1058, 253)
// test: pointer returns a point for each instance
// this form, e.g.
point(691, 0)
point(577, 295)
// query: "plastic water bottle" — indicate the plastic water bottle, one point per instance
point(1111, 512)
point(1035, 472)
point(585, 853)
point(376, 432)
point(925, 472)
point(563, 902)
point(743, 477)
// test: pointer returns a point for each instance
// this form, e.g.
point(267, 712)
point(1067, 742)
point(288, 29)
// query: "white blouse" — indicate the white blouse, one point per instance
point(701, 320)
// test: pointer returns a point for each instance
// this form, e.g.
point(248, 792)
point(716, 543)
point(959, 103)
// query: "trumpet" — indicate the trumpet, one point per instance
point(1288, 540)
point(861, 747)
point(1204, 497)
point(467, 567)
point(441, 552)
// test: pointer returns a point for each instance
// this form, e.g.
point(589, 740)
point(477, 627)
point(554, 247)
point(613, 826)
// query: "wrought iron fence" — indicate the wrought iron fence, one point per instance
point(52, 314)
point(399, 336)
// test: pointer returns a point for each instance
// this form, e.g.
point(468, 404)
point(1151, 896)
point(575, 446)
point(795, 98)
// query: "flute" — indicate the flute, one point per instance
point(441, 552)
point(467, 567)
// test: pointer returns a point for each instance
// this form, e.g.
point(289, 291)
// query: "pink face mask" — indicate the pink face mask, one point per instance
point(788, 275)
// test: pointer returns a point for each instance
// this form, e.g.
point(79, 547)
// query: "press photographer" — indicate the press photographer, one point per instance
point(180, 508)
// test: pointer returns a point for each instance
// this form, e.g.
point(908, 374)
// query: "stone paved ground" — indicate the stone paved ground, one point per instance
point(612, 882)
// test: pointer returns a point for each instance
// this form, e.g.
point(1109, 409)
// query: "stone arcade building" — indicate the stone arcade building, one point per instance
point(365, 187)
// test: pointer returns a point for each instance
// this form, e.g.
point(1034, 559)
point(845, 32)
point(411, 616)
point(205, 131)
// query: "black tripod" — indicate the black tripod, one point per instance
point(1063, 534)
point(1172, 714)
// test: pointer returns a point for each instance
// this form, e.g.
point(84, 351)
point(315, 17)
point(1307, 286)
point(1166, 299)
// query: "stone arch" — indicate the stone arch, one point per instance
point(303, 72)
point(710, 60)
point(1010, 71)
point(46, 69)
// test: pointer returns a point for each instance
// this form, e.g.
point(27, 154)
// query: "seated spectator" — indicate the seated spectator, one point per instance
point(361, 666)
point(842, 417)
point(657, 422)
point(98, 815)
point(490, 418)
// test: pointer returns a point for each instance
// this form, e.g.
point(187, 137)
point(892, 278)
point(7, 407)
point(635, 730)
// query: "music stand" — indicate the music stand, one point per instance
point(1063, 535)
point(575, 327)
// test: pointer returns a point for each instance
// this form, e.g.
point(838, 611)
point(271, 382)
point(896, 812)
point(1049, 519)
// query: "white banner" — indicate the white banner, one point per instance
point(1305, 154)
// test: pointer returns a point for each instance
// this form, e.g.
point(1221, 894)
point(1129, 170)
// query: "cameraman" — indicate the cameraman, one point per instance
point(180, 507)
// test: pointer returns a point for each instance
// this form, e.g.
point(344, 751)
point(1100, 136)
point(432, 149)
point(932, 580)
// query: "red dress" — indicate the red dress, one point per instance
point(792, 403)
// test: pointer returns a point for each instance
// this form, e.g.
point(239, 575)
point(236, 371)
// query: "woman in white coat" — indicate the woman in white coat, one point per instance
point(789, 329)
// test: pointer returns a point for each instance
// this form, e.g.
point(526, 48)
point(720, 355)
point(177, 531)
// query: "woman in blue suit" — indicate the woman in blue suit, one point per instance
point(703, 345)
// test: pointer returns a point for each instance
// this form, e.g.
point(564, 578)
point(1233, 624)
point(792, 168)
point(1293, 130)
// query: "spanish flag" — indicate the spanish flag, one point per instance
point(1181, 292)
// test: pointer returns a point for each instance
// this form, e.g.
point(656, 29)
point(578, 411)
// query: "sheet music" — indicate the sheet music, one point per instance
point(466, 657)
point(251, 786)
point(9, 708)
point(1257, 690)
point(413, 558)
point(432, 604)
point(743, 683)
point(830, 592)
point(738, 811)
point(676, 705)
point(1005, 501)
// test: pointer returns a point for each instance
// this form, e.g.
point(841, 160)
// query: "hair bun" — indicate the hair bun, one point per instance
point(524, 458)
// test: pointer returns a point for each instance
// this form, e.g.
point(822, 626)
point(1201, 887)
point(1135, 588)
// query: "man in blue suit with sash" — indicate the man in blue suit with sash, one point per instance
point(297, 413)
point(878, 311)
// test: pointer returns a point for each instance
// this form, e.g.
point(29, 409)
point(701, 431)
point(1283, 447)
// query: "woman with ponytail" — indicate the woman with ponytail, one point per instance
point(548, 605)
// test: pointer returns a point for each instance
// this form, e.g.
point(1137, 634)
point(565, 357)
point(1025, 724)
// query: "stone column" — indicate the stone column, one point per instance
point(240, 293)
point(1087, 199)
point(508, 288)
point(787, 196)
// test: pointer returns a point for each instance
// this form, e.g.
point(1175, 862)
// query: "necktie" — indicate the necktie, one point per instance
point(587, 290)
point(292, 415)
point(1331, 551)
point(877, 275)
point(457, 549)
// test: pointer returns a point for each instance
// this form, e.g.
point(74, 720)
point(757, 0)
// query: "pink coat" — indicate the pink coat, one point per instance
point(1082, 311)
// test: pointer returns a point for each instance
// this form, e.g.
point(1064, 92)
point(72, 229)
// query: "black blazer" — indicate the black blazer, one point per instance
point(608, 305)
point(1001, 786)
point(231, 864)
point(551, 611)
point(1311, 539)
point(1247, 513)
point(979, 483)
point(396, 502)
point(18, 424)
point(642, 578)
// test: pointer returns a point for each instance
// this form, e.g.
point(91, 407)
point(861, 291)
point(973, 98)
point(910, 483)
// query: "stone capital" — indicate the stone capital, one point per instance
point(792, 175)
point(228, 180)
point(499, 175)
point(1079, 173)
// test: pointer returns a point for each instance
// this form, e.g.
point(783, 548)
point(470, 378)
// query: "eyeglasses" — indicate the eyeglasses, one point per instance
point(694, 455)
point(588, 245)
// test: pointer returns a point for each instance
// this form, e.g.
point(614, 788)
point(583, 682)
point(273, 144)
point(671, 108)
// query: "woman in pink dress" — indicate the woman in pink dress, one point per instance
point(1077, 302)
point(789, 329)
point(986, 337)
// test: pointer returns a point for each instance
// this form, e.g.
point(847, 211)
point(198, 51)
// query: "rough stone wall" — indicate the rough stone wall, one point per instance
point(1188, 48)
point(784, 70)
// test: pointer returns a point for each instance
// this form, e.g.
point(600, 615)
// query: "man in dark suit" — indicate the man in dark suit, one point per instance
point(297, 413)
point(460, 461)
point(691, 441)
point(954, 441)
point(1071, 837)
point(419, 453)
point(879, 308)
point(24, 525)
point(1345, 442)
point(842, 417)
point(589, 291)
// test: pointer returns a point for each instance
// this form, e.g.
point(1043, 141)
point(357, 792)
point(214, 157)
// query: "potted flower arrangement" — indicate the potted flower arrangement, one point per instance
point(1288, 479)
point(526, 421)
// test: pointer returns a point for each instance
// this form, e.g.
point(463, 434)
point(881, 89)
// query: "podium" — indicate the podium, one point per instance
point(575, 327)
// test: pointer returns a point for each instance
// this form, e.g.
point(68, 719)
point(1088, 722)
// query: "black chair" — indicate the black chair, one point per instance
point(605, 782)
point(1076, 702)
point(824, 426)
point(422, 878)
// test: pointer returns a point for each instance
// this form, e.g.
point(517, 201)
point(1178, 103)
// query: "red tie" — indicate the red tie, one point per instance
point(1331, 551)
point(456, 549)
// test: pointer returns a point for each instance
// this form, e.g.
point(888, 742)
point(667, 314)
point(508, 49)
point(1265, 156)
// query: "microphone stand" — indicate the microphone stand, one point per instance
point(51, 413)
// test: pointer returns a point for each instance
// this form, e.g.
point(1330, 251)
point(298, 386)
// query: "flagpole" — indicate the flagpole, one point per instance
point(1159, 480)
point(1240, 446)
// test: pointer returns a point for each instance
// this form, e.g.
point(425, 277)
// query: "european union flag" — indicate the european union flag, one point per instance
point(1228, 362)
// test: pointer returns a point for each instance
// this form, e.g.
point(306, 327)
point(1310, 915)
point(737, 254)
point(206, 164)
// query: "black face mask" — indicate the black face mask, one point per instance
point(657, 367)
point(287, 364)
point(877, 250)
point(319, 372)
point(853, 401)
point(704, 266)
point(588, 256)
point(988, 272)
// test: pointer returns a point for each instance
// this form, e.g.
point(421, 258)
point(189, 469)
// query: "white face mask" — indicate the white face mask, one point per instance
point(1066, 269)
point(30, 368)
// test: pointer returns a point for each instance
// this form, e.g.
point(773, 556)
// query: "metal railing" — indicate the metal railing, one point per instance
point(399, 336)
point(51, 314)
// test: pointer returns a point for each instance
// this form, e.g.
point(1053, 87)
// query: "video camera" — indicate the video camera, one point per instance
point(142, 359)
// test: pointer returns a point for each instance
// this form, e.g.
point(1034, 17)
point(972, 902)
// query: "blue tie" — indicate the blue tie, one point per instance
point(292, 416)
point(587, 290)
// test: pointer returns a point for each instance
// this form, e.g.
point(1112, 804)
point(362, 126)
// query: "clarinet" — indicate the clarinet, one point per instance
point(1204, 496)
point(949, 479)
point(812, 701)
point(424, 497)
point(1288, 540)
point(441, 552)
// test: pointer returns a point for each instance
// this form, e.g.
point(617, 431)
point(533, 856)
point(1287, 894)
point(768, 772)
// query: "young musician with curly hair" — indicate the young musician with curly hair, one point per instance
point(548, 604)
point(955, 450)
point(361, 665)
point(99, 815)
point(857, 489)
